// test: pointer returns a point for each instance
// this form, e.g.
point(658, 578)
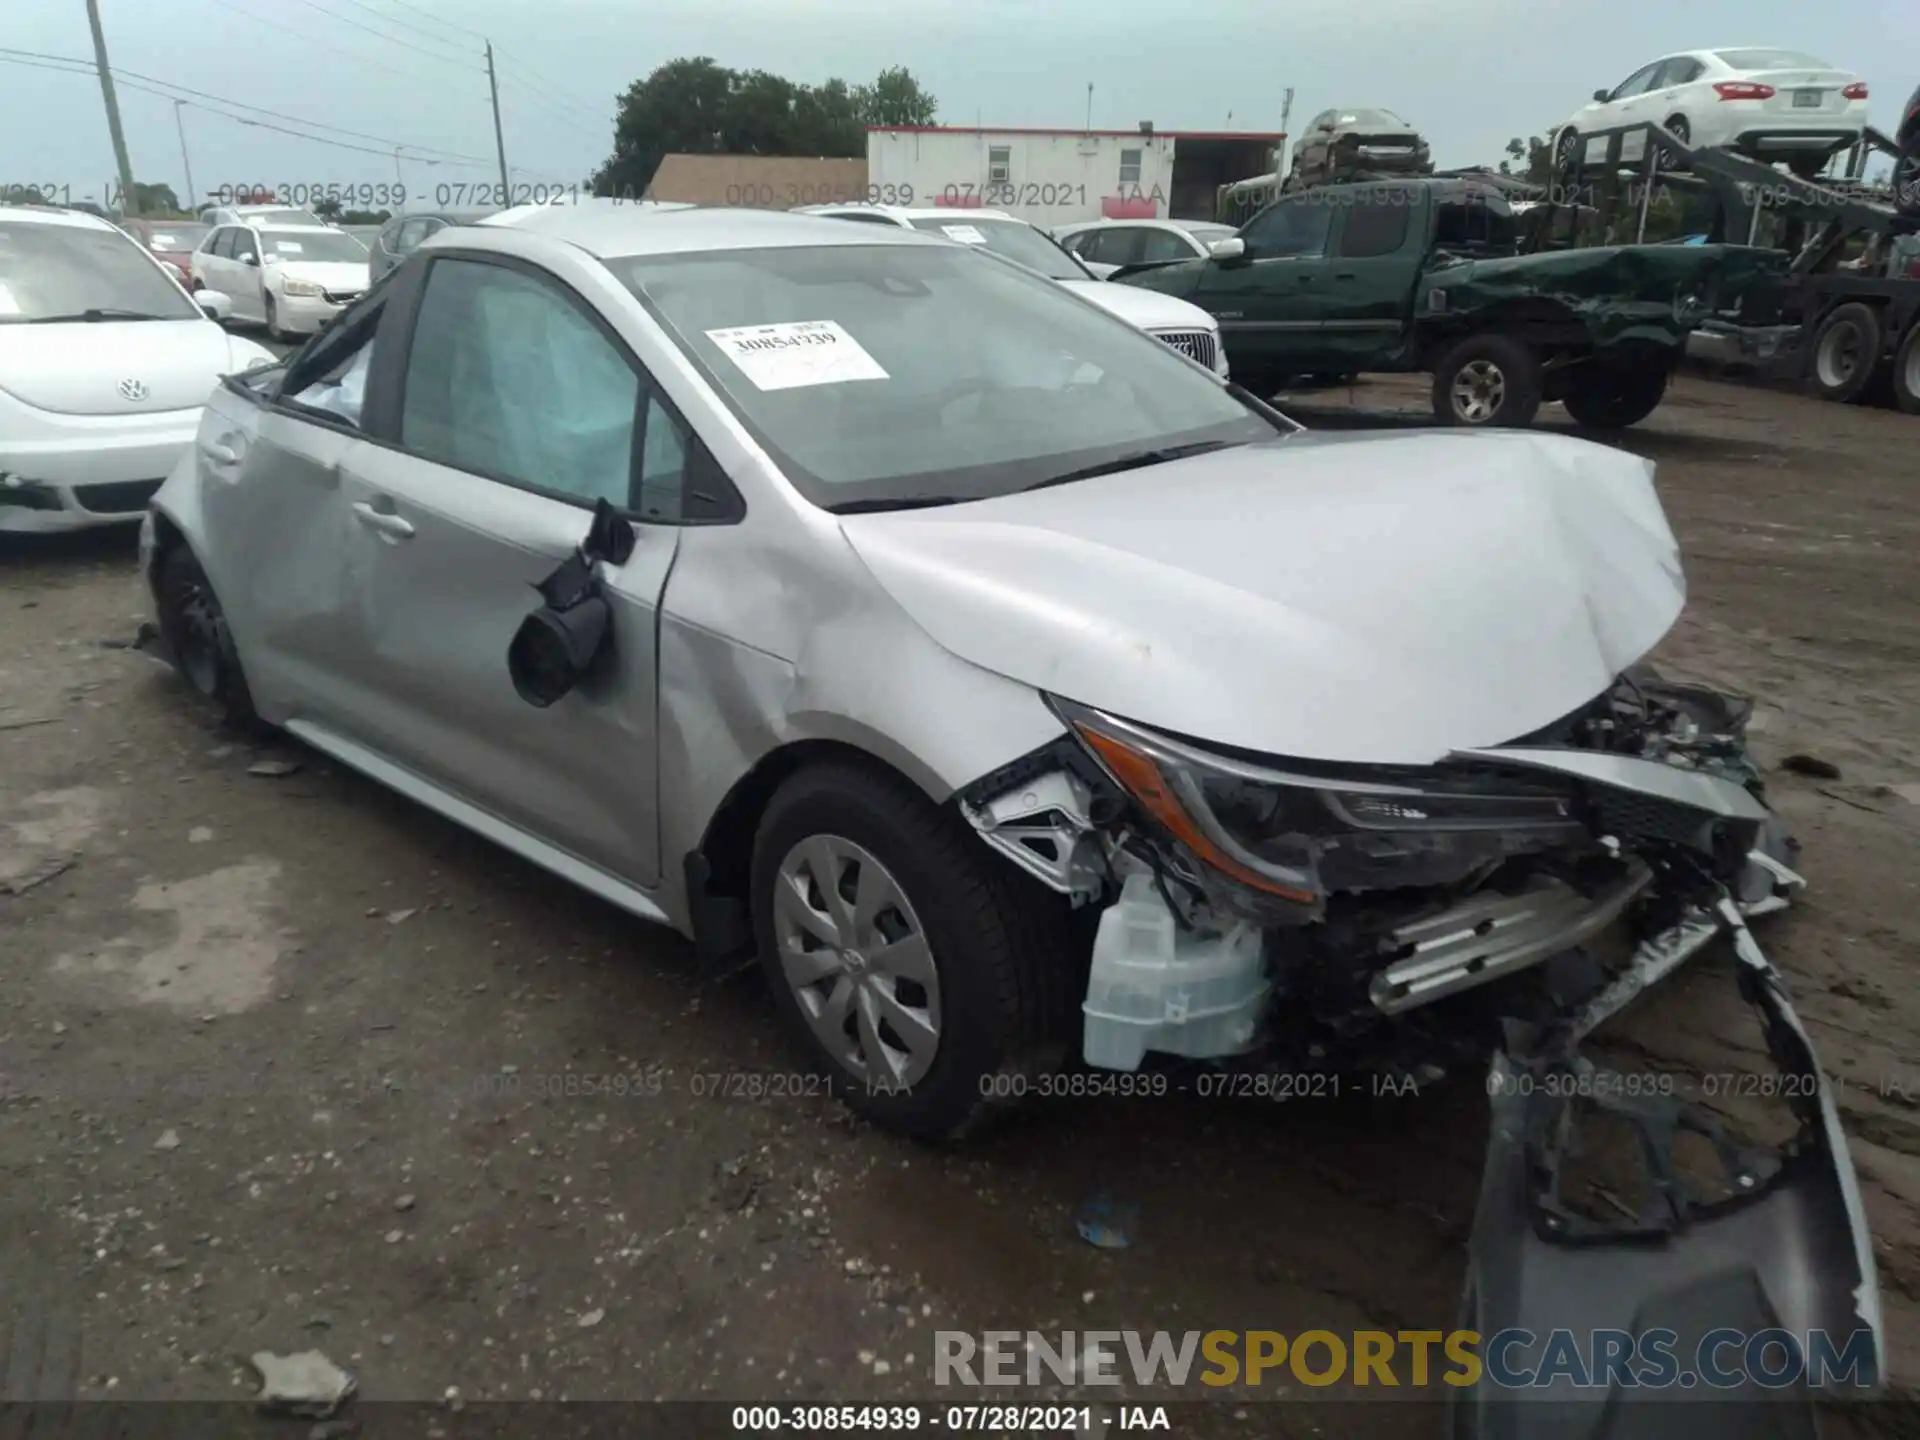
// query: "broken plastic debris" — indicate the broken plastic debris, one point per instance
point(591, 1319)
point(273, 769)
point(304, 1384)
point(169, 1140)
point(1107, 1223)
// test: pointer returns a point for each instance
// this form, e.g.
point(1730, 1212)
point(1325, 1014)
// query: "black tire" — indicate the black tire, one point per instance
point(1905, 377)
point(1566, 152)
point(194, 627)
point(1602, 399)
point(1678, 127)
point(1808, 167)
point(1906, 177)
point(1845, 353)
point(1007, 973)
point(1506, 372)
point(274, 332)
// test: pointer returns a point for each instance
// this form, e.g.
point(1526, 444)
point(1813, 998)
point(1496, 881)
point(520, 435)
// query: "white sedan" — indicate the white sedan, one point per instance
point(1184, 326)
point(105, 366)
point(293, 279)
point(1106, 245)
point(1770, 103)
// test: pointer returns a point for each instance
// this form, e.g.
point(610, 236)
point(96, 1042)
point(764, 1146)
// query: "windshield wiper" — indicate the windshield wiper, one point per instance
point(909, 502)
point(1139, 460)
point(95, 316)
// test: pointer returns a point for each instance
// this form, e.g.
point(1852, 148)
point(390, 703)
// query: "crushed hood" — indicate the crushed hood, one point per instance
point(77, 369)
point(1371, 598)
point(1146, 309)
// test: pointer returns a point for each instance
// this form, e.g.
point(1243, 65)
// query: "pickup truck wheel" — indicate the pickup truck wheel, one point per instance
point(1614, 399)
point(1846, 352)
point(918, 966)
point(1487, 380)
point(1906, 373)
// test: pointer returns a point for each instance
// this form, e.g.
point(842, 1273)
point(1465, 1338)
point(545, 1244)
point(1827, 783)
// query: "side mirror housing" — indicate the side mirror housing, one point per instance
point(1231, 248)
point(214, 304)
point(1600, 96)
point(253, 260)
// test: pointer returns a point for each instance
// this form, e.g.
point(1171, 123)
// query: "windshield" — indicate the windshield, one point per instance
point(1371, 120)
point(1771, 60)
point(66, 271)
point(315, 244)
point(890, 374)
point(1015, 239)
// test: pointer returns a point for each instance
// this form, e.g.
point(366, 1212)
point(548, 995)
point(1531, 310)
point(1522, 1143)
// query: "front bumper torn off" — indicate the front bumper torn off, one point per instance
point(1777, 1241)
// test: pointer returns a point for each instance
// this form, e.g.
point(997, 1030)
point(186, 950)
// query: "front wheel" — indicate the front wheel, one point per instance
point(920, 970)
point(194, 626)
point(274, 332)
point(1487, 381)
point(1846, 351)
point(1614, 399)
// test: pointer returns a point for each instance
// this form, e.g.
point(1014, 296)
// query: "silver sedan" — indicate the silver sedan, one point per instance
point(1000, 677)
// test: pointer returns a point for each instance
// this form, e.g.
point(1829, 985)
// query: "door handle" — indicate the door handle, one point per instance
point(221, 453)
point(385, 521)
point(1345, 275)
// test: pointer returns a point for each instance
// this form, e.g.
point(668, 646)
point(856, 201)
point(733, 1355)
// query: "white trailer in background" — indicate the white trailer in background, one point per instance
point(1055, 177)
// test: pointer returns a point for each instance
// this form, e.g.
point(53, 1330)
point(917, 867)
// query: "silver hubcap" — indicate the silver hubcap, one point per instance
point(1840, 355)
point(853, 951)
point(1478, 391)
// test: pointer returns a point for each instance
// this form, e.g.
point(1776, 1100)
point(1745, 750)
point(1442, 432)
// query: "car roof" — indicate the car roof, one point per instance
point(619, 230)
point(907, 214)
point(55, 215)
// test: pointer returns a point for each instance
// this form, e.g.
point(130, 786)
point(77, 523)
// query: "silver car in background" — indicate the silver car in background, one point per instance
point(1011, 685)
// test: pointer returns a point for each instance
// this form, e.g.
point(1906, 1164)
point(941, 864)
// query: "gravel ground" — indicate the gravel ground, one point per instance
point(291, 1063)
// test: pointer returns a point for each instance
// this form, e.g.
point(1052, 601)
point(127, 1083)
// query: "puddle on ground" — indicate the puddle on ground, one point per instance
point(223, 948)
point(47, 827)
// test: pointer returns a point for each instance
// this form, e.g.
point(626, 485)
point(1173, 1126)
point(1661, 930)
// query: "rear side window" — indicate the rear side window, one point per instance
point(1164, 245)
point(1376, 226)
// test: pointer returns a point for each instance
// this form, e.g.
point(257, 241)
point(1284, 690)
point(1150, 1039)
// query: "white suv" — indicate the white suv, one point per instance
point(293, 279)
point(105, 365)
point(1181, 324)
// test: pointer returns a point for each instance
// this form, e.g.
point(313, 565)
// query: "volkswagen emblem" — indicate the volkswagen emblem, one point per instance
point(133, 390)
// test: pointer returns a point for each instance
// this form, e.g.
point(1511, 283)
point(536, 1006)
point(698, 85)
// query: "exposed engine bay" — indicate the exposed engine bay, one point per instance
point(1491, 910)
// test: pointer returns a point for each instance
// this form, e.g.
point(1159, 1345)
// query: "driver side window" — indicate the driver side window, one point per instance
point(1292, 229)
point(1636, 83)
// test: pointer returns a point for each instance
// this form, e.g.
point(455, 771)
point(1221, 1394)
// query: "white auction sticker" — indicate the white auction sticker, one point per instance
point(965, 234)
point(796, 353)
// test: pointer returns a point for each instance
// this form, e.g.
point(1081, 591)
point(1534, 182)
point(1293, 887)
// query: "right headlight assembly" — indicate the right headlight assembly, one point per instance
point(1301, 834)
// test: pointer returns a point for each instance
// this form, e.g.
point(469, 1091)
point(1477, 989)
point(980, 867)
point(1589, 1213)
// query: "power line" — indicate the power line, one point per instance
point(340, 19)
point(561, 116)
point(547, 87)
point(309, 39)
point(7, 58)
point(427, 14)
point(422, 150)
point(403, 24)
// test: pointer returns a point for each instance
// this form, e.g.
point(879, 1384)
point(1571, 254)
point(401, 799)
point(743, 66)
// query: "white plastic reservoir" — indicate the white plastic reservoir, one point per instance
point(1158, 987)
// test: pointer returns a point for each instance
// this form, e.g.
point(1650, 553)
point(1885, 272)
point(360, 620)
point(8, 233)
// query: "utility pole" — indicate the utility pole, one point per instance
point(185, 163)
point(129, 200)
point(500, 144)
point(1089, 107)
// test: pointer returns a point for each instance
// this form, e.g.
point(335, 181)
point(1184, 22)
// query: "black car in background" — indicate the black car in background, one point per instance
point(403, 234)
point(1355, 144)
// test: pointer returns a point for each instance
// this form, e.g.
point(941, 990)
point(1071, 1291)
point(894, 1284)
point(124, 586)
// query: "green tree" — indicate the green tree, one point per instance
point(1530, 160)
point(327, 208)
point(694, 105)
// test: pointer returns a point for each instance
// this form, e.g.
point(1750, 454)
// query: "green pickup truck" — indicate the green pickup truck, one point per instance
point(1426, 276)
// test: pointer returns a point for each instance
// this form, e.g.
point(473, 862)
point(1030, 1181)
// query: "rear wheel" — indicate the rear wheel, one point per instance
point(916, 965)
point(1566, 152)
point(1487, 380)
point(1678, 127)
point(1808, 167)
point(194, 626)
point(1906, 373)
point(1602, 399)
point(1845, 353)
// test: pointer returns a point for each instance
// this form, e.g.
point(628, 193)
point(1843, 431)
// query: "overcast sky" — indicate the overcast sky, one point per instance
point(1469, 73)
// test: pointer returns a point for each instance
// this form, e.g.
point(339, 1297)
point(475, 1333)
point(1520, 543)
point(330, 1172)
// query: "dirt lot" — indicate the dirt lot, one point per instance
point(285, 1057)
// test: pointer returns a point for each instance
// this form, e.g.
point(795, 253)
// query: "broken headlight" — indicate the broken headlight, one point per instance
point(1303, 833)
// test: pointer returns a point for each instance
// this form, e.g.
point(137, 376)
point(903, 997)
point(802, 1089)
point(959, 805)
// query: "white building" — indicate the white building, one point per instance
point(1055, 177)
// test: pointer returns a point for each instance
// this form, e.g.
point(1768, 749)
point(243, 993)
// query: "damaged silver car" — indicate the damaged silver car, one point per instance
point(1018, 690)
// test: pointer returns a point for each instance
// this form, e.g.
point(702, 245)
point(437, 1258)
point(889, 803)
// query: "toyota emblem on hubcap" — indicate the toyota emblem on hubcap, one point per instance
point(133, 390)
